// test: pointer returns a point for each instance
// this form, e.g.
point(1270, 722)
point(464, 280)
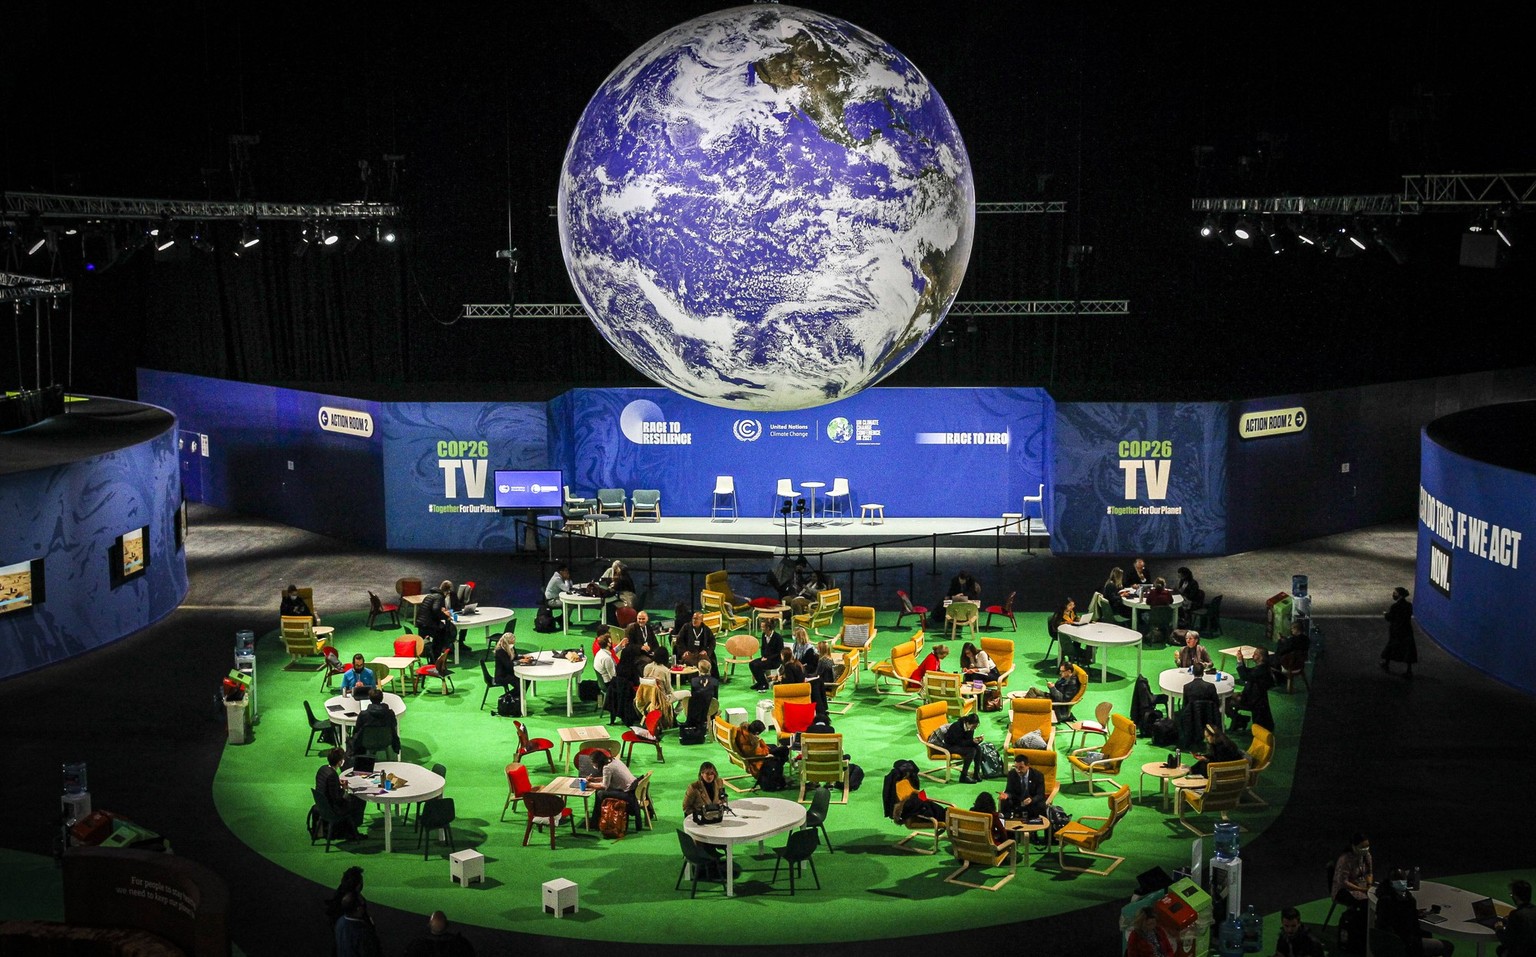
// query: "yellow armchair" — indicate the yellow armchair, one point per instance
point(918, 826)
point(783, 694)
point(1122, 737)
point(299, 640)
point(822, 762)
point(945, 686)
point(1087, 840)
point(1030, 714)
point(857, 615)
point(724, 732)
point(970, 840)
point(1000, 650)
point(720, 581)
point(1223, 792)
point(849, 668)
point(1261, 751)
point(828, 602)
point(713, 602)
point(899, 668)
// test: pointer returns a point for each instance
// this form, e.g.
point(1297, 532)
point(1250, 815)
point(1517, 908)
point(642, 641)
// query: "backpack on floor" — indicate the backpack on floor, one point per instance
point(506, 705)
point(544, 621)
point(690, 734)
point(855, 777)
point(1165, 733)
point(613, 818)
point(989, 761)
point(770, 775)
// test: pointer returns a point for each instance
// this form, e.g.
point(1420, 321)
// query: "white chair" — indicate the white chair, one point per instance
point(784, 493)
point(1038, 499)
point(839, 490)
point(725, 491)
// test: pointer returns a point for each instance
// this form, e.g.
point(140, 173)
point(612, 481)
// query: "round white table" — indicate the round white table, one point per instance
point(1174, 679)
point(813, 486)
point(420, 784)
point(1455, 907)
point(571, 604)
point(1137, 605)
point(487, 617)
point(1102, 634)
point(547, 667)
point(749, 819)
point(342, 710)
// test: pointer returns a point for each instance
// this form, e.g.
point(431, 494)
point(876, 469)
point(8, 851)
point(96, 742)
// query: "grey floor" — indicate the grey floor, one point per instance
point(1436, 767)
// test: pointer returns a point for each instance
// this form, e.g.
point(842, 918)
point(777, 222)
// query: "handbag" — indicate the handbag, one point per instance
point(709, 814)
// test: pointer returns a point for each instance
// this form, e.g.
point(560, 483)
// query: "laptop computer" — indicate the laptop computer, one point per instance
point(470, 608)
point(1483, 912)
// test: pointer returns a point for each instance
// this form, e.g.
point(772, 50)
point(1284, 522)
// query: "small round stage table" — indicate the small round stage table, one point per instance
point(749, 819)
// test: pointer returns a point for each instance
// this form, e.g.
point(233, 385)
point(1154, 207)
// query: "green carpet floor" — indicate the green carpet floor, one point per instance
point(262, 792)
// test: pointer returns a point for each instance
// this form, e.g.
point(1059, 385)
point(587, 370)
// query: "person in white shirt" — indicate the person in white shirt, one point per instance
point(559, 584)
point(606, 663)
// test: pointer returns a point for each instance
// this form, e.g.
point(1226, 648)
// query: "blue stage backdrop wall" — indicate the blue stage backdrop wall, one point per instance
point(70, 516)
point(919, 452)
point(1474, 564)
point(1139, 479)
point(302, 458)
point(439, 460)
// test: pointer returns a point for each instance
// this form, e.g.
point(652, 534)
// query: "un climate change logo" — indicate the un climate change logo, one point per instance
point(747, 430)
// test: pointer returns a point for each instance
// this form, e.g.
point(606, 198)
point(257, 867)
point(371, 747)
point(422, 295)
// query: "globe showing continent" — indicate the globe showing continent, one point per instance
point(766, 208)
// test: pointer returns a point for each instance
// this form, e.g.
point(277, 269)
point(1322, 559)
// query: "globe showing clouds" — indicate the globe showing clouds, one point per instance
point(766, 208)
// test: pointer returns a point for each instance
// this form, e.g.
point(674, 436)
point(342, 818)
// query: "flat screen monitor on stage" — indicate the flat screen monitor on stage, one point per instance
point(528, 489)
point(130, 555)
point(21, 585)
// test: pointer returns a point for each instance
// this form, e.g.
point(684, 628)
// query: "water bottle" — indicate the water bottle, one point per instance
point(1227, 847)
point(581, 785)
point(388, 784)
point(1413, 879)
point(75, 778)
point(1230, 940)
point(1253, 930)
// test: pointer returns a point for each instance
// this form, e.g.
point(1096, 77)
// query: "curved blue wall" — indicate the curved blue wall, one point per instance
point(70, 516)
point(1474, 578)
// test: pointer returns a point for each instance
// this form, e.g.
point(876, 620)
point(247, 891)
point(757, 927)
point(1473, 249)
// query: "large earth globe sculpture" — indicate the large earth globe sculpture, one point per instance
point(766, 208)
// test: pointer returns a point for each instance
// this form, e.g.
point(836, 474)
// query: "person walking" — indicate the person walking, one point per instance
point(1400, 641)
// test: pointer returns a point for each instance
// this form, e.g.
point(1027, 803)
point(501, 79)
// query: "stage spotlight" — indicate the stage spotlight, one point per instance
point(1305, 232)
point(250, 232)
point(200, 238)
point(1208, 228)
point(1503, 220)
point(1354, 234)
point(1225, 235)
point(1343, 244)
point(384, 232)
point(165, 235)
point(1387, 239)
point(1244, 231)
point(38, 243)
point(328, 236)
point(97, 247)
point(1272, 236)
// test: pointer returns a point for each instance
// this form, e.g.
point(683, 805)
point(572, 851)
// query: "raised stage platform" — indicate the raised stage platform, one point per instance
point(767, 536)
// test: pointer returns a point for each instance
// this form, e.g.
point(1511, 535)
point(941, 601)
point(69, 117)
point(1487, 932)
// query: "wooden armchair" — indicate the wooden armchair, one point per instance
point(1000, 650)
point(1030, 714)
point(822, 762)
point(1226, 781)
point(720, 581)
point(945, 686)
point(1261, 751)
point(713, 602)
point(724, 732)
point(299, 640)
point(849, 668)
point(959, 616)
point(739, 650)
point(970, 840)
point(930, 718)
point(1064, 708)
point(1112, 754)
point(828, 602)
point(857, 616)
point(899, 668)
point(918, 826)
point(1087, 840)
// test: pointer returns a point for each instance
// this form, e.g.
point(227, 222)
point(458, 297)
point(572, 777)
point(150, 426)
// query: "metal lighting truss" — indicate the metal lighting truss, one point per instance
point(18, 288)
point(1053, 206)
point(54, 206)
point(1025, 307)
point(1421, 192)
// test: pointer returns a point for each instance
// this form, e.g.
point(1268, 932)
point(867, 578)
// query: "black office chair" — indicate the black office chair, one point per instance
point(325, 820)
point(816, 814)
point(1207, 620)
point(436, 813)
point(321, 728)
point(797, 850)
point(490, 682)
point(706, 866)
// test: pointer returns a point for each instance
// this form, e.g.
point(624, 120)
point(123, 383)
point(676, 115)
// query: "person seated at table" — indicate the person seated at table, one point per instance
point(1070, 650)
point(1295, 940)
point(703, 690)
point(1146, 938)
point(959, 738)
point(377, 715)
point(706, 789)
point(1111, 592)
point(1218, 748)
point(933, 662)
point(434, 619)
point(646, 635)
point(770, 654)
point(1158, 594)
point(791, 671)
point(606, 663)
point(505, 655)
point(1190, 651)
point(1397, 914)
point(559, 584)
point(693, 640)
point(987, 804)
point(1517, 929)
point(1139, 575)
point(617, 582)
point(1353, 874)
point(1257, 679)
point(963, 587)
point(975, 664)
point(294, 605)
point(613, 780)
point(358, 679)
point(346, 804)
point(632, 663)
point(1060, 691)
point(1024, 792)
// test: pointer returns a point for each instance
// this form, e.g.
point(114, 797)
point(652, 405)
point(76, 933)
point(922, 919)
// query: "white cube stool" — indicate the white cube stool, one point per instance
point(466, 866)
point(736, 716)
point(561, 897)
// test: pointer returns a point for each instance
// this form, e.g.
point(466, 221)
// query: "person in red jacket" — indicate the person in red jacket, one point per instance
point(931, 663)
point(1146, 938)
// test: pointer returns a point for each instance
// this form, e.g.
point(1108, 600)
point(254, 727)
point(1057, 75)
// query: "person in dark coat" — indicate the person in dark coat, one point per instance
point(1257, 679)
point(1397, 914)
point(703, 689)
point(1400, 642)
point(439, 941)
point(1024, 794)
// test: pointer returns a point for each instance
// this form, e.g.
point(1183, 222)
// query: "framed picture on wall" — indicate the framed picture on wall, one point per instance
point(21, 585)
point(129, 556)
point(181, 525)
